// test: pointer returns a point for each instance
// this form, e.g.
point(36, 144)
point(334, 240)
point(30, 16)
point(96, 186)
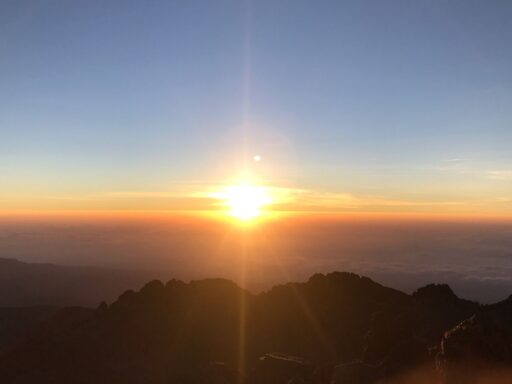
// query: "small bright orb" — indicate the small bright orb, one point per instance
point(245, 201)
point(257, 158)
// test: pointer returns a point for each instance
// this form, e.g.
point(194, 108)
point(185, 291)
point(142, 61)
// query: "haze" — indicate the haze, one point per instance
point(473, 257)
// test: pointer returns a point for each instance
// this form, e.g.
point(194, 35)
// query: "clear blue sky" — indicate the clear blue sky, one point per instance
point(367, 98)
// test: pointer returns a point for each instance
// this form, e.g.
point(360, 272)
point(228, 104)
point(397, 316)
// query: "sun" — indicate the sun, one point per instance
point(245, 201)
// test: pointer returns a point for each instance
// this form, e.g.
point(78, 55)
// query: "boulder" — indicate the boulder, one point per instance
point(274, 368)
point(355, 372)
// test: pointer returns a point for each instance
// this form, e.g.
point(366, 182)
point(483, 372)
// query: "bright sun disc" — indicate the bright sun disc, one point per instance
point(245, 201)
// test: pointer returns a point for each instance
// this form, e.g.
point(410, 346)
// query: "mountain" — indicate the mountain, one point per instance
point(333, 329)
point(15, 323)
point(29, 284)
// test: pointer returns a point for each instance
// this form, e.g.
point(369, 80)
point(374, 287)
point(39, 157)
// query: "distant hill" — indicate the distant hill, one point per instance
point(28, 284)
point(333, 329)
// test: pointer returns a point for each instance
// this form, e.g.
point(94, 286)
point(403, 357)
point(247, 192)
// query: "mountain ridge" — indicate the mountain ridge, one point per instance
point(189, 332)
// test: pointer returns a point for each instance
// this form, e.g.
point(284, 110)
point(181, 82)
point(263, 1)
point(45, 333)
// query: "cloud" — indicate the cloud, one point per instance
point(307, 198)
point(457, 165)
point(504, 174)
point(314, 200)
point(140, 195)
point(283, 199)
point(204, 197)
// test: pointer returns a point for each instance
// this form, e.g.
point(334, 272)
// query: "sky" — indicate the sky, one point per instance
point(353, 106)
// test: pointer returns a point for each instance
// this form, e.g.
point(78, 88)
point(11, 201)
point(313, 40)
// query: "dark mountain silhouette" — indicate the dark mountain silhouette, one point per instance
point(29, 284)
point(16, 322)
point(480, 345)
point(335, 328)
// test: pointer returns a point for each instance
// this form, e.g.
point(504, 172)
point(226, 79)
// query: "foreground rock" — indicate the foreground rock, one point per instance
point(480, 346)
point(355, 372)
point(282, 369)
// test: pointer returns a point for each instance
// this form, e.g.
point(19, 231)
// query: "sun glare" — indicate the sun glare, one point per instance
point(245, 201)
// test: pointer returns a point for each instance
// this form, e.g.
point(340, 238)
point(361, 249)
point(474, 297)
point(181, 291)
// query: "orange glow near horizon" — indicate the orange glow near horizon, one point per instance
point(264, 215)
point(251, 200)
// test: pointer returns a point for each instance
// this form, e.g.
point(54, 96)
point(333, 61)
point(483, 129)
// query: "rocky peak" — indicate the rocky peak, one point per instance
point(435, 293)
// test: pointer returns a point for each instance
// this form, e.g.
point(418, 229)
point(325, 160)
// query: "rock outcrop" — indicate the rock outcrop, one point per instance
point(480, 344)
point(276, 368)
